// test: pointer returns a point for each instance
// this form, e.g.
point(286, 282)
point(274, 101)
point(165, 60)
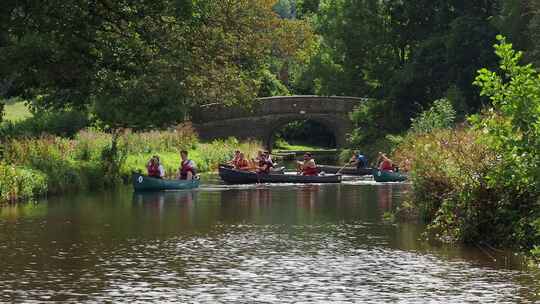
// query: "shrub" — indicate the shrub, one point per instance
point(441, 115)
point(19, 183)
point(482, 183)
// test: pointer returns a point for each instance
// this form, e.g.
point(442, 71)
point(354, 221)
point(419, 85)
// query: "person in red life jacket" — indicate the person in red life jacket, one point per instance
point(187, 168)
point(242, 163)
point(154, 168)
point(236, 156)
point(308, 166)
point(385, 163)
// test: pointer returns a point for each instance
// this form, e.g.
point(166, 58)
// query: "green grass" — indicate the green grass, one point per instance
point(16, 111)
point(285, 146)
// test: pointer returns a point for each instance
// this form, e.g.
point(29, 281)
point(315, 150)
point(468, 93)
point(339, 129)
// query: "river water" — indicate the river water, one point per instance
point(244, 244)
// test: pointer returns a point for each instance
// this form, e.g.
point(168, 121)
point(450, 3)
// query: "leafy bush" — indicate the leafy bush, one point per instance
point(482, 184)
point(441, 115)
point(373, 120)
point(20, 183)
point(92, 160)
point(271, 86)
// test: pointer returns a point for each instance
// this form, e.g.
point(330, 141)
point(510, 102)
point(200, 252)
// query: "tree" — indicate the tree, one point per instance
point(409, 53)
point(140, 64)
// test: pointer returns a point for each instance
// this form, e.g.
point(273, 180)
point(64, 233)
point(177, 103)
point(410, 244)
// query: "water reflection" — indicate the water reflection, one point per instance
point(265, 243)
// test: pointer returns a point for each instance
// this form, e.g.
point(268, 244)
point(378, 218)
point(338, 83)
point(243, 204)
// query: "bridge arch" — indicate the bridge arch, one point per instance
point(267, 114)
point(330, 125)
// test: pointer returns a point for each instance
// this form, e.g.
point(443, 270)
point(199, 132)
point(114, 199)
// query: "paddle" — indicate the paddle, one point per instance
point(343, 167)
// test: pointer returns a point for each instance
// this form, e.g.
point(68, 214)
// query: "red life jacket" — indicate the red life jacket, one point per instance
point(185, 168)
point(153, 170)
point(309, 171)
point(386, 166)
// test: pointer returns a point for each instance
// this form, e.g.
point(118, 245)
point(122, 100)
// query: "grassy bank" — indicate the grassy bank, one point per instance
point(16, 111)
point(55, 165)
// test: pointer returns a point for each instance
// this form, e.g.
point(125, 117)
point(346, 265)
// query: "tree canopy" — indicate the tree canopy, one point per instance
point(143, 63)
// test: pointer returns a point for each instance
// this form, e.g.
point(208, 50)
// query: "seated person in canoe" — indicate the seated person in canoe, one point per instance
point(154, 168)
point(264, 165)
point(187, 170)
point(268, 158)
point(242, 163)
point(385, 164)
point(235, 158)
point(358, 160)
point(308, 166)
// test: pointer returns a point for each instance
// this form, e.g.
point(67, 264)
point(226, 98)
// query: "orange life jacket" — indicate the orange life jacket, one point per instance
point(310, 171)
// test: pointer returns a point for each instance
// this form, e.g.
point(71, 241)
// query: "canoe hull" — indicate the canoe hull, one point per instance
point(232, 176)
point(388, 176)
point(346, 170)
point(145, 183)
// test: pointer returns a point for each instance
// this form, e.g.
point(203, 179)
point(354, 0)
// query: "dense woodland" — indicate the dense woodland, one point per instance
point(123, 61)
point(462, 115)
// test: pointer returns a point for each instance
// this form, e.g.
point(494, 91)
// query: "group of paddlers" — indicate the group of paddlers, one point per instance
point(261, 164)
point(186, 171)
point(383, 162)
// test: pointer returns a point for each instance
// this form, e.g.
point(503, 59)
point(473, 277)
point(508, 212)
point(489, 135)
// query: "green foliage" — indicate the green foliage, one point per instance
point(2, 106)
point(271, 86)
point(441, 115)
point(408, 53)
point(94, 159)
point(18, 183)
point(141, 64)
point(60, 123)
point(16, 111)
point(307, 133)
point(373, 121)
point(482, 184)
point(513, 125)
point(285, 8)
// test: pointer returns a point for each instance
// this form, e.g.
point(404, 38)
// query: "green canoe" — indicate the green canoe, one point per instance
point(388, 176)
point(146, 183)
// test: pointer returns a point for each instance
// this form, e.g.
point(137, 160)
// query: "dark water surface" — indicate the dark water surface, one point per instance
point(244, 244)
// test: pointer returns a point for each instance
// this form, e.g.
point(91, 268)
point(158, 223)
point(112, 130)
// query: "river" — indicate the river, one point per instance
point(244, 244)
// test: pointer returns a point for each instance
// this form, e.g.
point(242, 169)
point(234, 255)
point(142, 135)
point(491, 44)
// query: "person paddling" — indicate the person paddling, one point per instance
point(235, 158)
point(242, 163)
point(385, 163)
point(265, 164)
point(187, 170)
point(308, 166)
point(358, 160)
point(154, 168)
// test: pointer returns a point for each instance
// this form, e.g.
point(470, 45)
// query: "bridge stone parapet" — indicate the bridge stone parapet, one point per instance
point(267, 115)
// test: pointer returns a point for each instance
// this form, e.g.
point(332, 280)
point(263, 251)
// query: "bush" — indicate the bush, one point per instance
point(482, 184)
point(271, 86)
point(441, 115)
point(373, 120)
point(19, 183)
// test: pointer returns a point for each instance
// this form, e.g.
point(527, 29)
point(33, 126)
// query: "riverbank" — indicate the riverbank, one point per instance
point(479, 182)
point(56, 165)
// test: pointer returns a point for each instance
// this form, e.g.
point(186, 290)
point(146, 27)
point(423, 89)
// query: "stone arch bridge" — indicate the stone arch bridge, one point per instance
point(268, 114)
